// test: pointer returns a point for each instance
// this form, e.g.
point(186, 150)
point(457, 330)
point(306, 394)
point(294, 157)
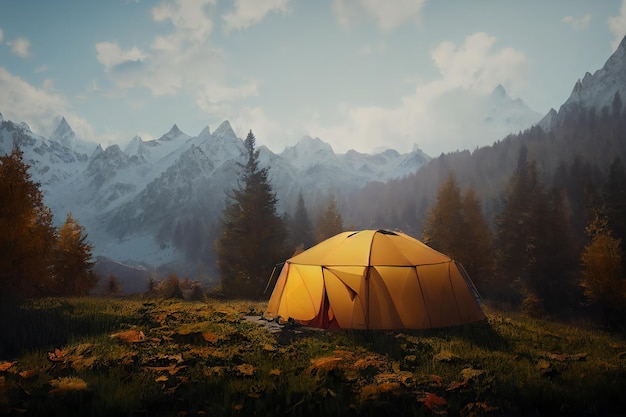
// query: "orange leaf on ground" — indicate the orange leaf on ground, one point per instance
point(6, 365)
point(130, 336)
point(57, 356)
point(210, 337)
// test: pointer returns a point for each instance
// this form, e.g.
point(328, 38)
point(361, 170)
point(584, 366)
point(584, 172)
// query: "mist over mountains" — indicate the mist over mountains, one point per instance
point(157, 203)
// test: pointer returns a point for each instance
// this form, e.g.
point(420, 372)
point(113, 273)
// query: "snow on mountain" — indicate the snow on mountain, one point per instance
point(597, 91)
point(159, 202)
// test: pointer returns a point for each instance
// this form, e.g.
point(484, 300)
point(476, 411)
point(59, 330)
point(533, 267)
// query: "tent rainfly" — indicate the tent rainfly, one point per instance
point(374, 279)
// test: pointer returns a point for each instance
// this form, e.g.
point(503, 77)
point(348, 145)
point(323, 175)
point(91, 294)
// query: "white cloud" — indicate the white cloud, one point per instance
point(111, 55)
point(439, 115)
point(474, 66)
point(187, 15)
point(39, 108)
point(578, 22)
point(267, 131)
point(250, 12)
point(20, 47)
point(617, 25)
point(388, 15)
point(177, 62)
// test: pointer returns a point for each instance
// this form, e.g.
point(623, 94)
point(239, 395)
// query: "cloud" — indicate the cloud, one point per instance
point(189, 16)
point(111, 55)
point(20, 47)
point(439, 115)
point(617, 25)
point(388, 15)
point(578, 23)
point(39, 108)
point(250, 12)
point(181, 61)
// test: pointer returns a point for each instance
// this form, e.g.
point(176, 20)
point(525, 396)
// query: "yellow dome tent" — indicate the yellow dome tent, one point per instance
point(374, 279)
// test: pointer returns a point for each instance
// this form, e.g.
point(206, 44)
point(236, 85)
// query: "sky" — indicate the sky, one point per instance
point(359, 74)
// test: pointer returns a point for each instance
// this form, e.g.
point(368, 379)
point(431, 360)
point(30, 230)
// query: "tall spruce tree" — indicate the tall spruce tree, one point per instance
point(329, 222)
point(300, 227)
point(253, 235)
point(455, 226)
point(26, 232)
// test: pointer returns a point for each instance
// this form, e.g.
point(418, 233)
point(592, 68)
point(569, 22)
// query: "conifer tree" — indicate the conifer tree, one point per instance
point(253, 235)
point(26, 232)
point(73, 261)
point(329, 222)
point(455, 226)
point(300, 227)
point(445, 220)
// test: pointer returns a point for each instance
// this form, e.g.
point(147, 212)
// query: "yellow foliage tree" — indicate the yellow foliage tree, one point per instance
point(603, 275)
point(73, 262)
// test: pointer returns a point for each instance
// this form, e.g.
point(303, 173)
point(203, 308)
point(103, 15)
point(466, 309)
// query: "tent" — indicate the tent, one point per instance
point(374, 279)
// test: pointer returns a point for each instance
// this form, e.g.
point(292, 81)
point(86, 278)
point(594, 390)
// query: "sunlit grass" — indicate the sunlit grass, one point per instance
point(204, 358)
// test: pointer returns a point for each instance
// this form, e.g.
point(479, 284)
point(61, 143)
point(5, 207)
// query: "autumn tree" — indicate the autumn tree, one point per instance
point(329, 222)
point(73, 263)
point(604, 282)
point(26, 232)
point(455, 226)
point(253, 234)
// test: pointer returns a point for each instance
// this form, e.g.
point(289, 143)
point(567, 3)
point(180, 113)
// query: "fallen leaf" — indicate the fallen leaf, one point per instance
point(471, 373)
point(161, 378)
point(62, 385)
point(29, 373)
point(57, 356)
point(446, 356)
point(433, 402)
point(130, 336)
point(246, 369)
point(6, 365)
point(210, 337)
point(275, 372)
point(324, 364)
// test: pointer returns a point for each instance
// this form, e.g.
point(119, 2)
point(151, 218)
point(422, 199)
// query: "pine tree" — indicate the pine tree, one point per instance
point(456, 227)
point(73, 274)
point(26, 232)
point(300, 227)
point(445, 221)
point(477, 255)
point(329, 223)
point(253, 234)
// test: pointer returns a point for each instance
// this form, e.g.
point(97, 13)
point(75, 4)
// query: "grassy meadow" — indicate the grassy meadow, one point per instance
point(157, 357)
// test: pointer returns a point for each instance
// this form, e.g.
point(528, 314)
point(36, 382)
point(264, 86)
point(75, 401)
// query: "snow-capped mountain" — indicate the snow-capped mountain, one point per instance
point(159, 202)
point(594, 92)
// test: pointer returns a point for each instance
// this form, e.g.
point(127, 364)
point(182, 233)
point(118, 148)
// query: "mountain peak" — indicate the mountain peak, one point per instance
point(499, 92)
point(597, 90)
point(64, 134)
point(225, 131)
point(173, 134)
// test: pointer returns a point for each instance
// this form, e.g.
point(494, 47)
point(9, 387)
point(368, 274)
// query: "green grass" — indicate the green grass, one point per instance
point(203, 358)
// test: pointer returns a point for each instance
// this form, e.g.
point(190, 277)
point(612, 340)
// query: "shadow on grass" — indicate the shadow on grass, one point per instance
point(393, 343)
point(48, 324)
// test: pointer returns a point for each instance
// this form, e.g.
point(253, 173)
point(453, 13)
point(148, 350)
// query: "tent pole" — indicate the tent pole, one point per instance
point(269, 281)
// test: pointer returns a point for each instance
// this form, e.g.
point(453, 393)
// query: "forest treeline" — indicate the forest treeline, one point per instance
point(538, 219)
